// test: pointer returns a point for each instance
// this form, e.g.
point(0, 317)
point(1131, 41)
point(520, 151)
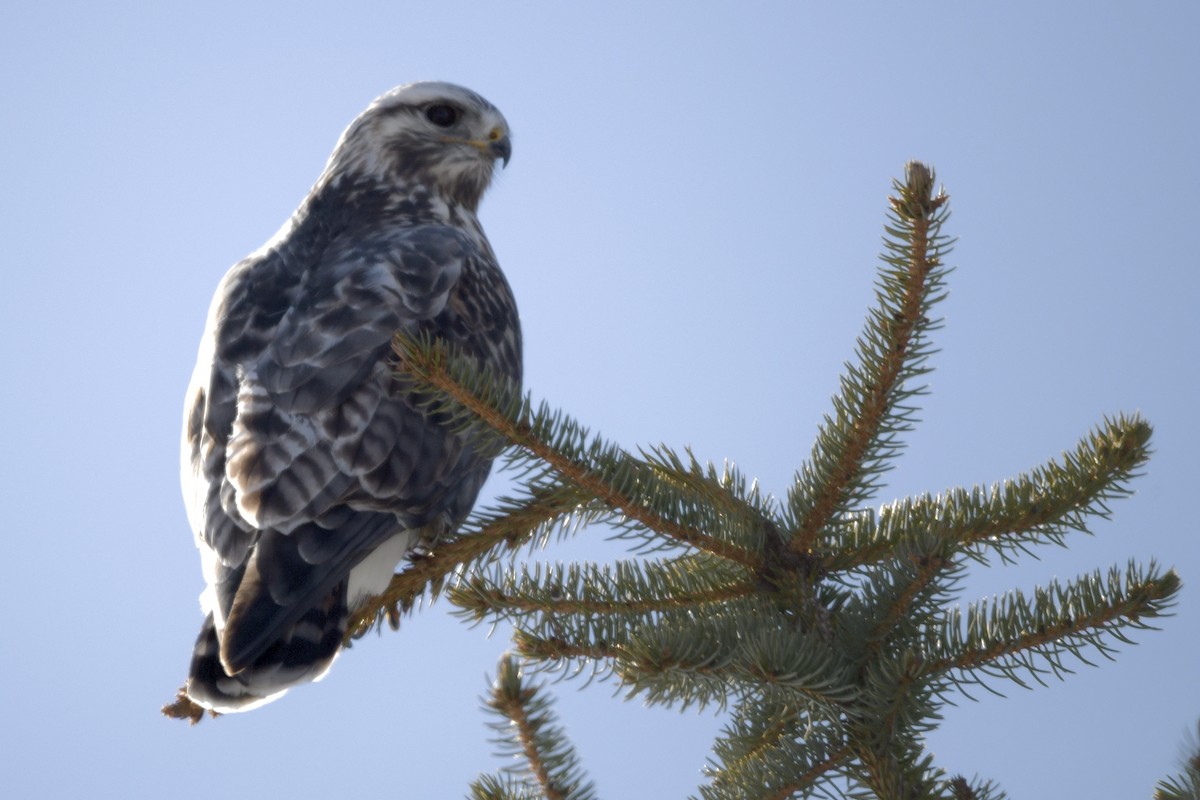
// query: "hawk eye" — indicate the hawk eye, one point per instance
point(442, 115)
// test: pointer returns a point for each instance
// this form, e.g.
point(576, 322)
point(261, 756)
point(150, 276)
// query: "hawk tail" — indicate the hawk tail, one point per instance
point(303, 654)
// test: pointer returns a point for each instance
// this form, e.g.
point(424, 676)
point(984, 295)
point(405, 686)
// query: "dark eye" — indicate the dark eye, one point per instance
point(442, 115)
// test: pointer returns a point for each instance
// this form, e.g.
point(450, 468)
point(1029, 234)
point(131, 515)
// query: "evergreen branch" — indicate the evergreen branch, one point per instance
point(541, 510)
point(917, 585)
point(757, 725)
point(527, 730)
point(519, 522)
point(795, 661)
point(791, 768)
point(963, 789)
point(627, 588)
point(908, 775)
point(693, 673)
point(1012, 633)
point(725, 489)
point(1042, 506)
point(768, 746)
point(887, 605)
point(557, 651)
point(1185, 785)
point(495, 787)
point(901, 690)
point(891, 610)
point(684, 657)
point(604, 471)
point(854, 447)
point(811, 776)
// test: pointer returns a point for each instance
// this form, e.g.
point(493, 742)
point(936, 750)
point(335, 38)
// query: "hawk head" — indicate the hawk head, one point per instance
point(432, 134)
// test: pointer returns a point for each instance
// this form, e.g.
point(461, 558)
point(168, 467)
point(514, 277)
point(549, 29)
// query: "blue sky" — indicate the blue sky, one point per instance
point(690, 223)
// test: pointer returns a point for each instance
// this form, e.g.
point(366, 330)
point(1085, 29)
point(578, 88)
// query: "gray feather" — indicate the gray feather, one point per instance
point(303, 453)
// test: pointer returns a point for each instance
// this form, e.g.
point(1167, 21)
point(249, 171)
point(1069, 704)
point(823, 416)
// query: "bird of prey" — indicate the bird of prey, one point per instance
point(309, 468)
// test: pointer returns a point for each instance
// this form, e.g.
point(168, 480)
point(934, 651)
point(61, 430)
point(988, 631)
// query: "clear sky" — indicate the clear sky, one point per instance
point(690, 223)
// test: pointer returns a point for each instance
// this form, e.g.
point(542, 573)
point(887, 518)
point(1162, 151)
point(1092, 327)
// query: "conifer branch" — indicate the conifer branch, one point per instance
point(725, 489)
point(1012, 634)
point(1040, 507)
point(611, 476)
point(927, 568)
point(687, 658)
point(900, 681)
point(547, 505)
point(896, 775)
point(786, 773)
point(757, 726)
point(628, 587)
point(962, 789)
point(549, 649)
point(854, 446)
point(527, 730)
point(1185, 785)
point(495, 787)
point(768, 745)
point(810, 777)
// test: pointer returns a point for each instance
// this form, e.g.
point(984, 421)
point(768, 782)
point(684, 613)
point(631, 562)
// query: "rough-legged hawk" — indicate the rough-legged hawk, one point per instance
point(309, 468)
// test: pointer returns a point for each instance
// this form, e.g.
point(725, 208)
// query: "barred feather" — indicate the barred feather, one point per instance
point(310, 470)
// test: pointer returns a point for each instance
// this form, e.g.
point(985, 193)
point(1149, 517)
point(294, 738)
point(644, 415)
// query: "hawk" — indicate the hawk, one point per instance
point(309, 468)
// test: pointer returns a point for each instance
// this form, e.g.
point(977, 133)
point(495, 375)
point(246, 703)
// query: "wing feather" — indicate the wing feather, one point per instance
point(307, 452)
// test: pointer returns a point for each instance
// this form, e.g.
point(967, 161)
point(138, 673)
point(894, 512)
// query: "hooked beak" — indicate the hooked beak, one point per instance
point(500, 146)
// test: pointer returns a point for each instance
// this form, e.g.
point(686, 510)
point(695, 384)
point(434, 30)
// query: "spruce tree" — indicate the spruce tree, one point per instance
point(830, 628)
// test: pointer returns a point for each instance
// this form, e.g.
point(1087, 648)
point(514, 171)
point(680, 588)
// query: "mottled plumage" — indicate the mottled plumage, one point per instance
point(309, 470)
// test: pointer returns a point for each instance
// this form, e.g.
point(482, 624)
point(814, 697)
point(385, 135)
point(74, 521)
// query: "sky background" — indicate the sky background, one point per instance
point(690, 223)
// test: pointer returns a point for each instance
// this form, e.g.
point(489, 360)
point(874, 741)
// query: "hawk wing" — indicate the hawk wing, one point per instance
point(306, 453)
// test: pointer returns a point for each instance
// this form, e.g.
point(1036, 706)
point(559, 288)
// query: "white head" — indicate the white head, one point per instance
point(436, 134)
